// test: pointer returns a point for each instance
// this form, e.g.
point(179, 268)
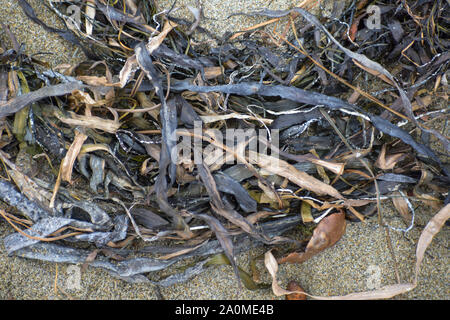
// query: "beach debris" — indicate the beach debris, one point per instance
point(328, 231)
point(157, 149)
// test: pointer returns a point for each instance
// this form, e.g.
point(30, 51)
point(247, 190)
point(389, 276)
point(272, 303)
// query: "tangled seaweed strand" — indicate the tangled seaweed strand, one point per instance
point(116, 122)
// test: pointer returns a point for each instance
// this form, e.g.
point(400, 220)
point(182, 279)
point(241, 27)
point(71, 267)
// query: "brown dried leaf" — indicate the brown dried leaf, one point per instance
point(329, 230)
point(294, 286)
point(255, 217)
point(71, 155)
point(432, 228)
point(230, 64)
point(83, 97)
point(335, 167)
point(94, 80)
point(272, 266)
point(30, 188)
point(401, 205)
point(90, 258)
point(427, 199)
point(155, 42)
point(128, 70)
point(388, 162)
point(269, 196)
point(92, 122)
point(356, 213)
point(212, 72)
point(300, 178)
point(422, 102)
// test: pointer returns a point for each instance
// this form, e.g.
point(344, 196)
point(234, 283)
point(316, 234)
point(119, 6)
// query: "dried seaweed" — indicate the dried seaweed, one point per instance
point(311, 142)
point(15, 105)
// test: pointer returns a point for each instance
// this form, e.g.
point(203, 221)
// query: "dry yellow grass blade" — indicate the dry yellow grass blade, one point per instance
point(432, 228)
point(180, 252)
point(155, 42)
point(300, 178)
point(71, 155)
point(90, 147)
point(129, 68)
point(335, 167)
point(92, 122)
point(256, 26)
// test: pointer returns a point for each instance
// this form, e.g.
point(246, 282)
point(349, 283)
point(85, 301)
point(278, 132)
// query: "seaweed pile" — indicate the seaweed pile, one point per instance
point(132, 166)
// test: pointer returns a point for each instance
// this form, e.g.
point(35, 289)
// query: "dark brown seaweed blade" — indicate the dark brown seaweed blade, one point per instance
point(224, 239)
point(168, 149)
point(363, 60)
point(227, 184)
point(14, 198)
point(313, 98)
point(20, 102)
point(221, 209)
